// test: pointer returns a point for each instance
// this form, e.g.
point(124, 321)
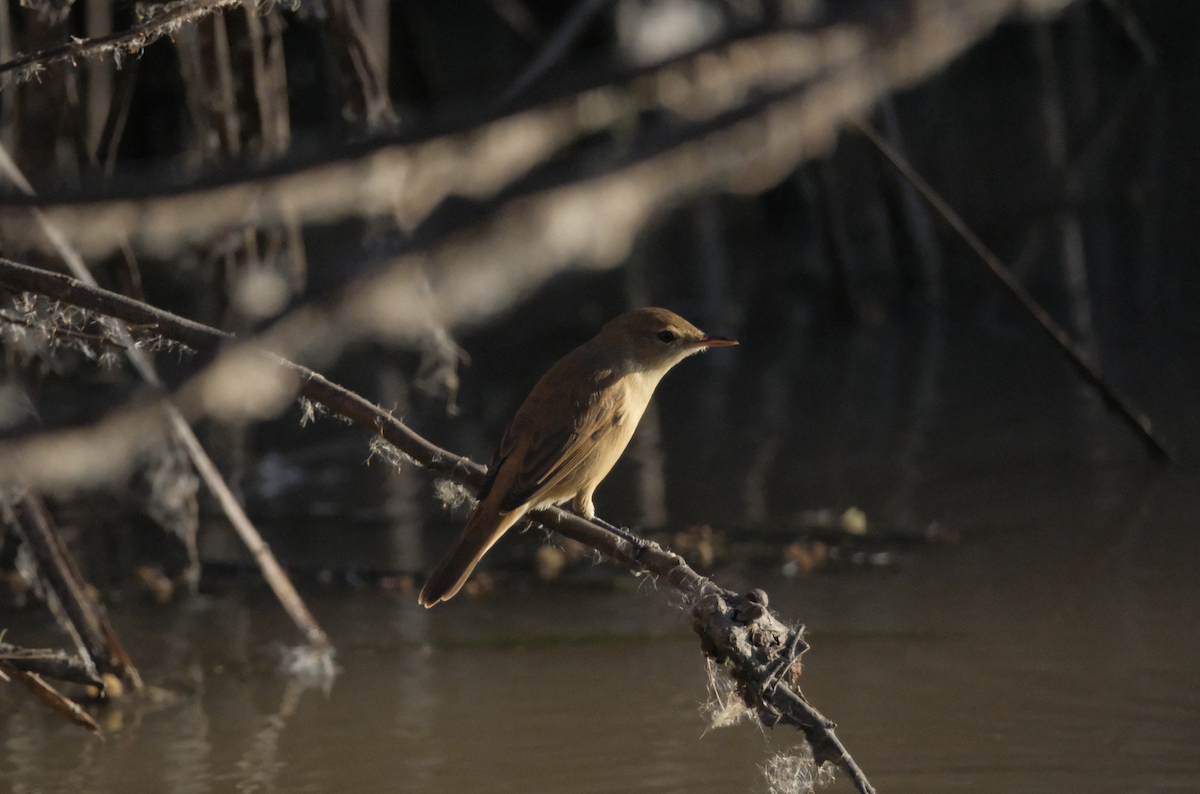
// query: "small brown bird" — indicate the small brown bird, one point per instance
point(570, 431)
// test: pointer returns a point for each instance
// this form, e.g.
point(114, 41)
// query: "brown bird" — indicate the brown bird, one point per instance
point(570, 431)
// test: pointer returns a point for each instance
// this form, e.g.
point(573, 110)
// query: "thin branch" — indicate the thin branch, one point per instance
point(736, 630)
point(566, 35)
point(170, 17)
point(98, 339)
point(50, 696)
point(94, 635)
point(1138, 421)
point(50, 664)
point(369, 102)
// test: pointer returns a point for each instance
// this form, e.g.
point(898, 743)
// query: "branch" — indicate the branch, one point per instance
point(163, 20)
point(738, 631)
point(66, 590)
point(49, 695)
point(1084, 363)
point(48, 663)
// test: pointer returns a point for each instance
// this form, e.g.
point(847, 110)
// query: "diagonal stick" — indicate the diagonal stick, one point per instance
point(1083, 362)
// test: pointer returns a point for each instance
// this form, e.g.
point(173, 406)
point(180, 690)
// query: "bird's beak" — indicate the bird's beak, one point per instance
point(715, 341)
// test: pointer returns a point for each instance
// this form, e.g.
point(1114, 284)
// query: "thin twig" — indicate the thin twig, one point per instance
point(130, 41)
point(48, 663)
point(566, 35)
point(94, 635)
point(1083, 362)
point(50, 696)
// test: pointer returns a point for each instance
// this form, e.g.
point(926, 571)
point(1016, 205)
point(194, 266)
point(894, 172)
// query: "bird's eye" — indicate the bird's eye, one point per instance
point(666, 336)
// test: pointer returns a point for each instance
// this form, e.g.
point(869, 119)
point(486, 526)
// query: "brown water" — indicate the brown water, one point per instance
point(1054, 649)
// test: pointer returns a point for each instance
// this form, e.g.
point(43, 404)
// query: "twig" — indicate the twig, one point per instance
point(566, 35)
point(369, 103)
point(73, 291)
point(1134, 30)
point(96, 338)
point(48, 663)
point(50, 696)
point(1083, 362)
point(130, 41)
point(98, 643)
point(736, 630)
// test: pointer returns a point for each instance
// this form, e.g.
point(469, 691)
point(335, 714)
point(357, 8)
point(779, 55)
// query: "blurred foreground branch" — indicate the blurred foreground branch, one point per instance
point(739, 632)
point(735, 115)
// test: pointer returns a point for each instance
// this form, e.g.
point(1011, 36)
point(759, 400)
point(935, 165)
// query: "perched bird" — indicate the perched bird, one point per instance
point(570, 431)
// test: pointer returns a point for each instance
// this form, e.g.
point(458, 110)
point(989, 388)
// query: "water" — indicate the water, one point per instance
point(1052, 649)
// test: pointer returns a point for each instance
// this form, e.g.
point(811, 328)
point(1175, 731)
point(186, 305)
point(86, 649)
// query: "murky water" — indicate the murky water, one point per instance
point(1053, 649)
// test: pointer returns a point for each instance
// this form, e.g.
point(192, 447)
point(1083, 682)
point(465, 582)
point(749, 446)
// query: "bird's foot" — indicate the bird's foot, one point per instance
point(639, 543)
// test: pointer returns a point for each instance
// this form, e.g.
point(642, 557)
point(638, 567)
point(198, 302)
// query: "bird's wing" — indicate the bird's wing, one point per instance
point(553, 455)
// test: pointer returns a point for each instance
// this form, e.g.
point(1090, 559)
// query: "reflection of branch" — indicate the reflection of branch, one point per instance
point(738, 631)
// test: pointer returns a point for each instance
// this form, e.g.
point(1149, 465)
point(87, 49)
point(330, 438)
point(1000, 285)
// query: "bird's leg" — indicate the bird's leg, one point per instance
point(582, 504)
point(633, 538)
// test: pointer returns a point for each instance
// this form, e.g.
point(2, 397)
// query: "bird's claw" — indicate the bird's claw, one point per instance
point(638, 543)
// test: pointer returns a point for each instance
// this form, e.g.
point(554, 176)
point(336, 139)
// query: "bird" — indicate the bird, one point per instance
point(569, 432)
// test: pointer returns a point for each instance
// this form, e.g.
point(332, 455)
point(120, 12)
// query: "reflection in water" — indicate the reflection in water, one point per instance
point(902, 505)
point(186, 750)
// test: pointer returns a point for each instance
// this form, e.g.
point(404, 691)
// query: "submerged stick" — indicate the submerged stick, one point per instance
point(1084, 363)
point(737, 631)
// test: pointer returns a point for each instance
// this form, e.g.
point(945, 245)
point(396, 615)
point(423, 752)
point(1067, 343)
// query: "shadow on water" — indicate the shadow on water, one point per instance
point(1052, 648)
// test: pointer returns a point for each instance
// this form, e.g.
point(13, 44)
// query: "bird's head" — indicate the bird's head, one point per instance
point(657, 339)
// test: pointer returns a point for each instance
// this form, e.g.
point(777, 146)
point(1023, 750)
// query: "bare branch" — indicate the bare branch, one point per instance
point(67, 590)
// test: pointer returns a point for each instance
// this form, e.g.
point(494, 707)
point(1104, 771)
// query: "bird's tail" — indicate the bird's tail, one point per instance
point(484, 528)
